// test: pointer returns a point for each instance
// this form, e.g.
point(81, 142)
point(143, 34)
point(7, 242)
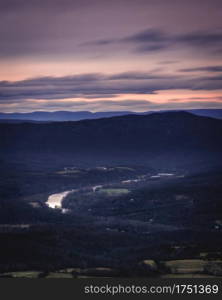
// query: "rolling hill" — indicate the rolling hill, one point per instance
point(159, 139)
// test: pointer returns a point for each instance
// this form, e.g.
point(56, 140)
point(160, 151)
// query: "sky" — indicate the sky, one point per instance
point(102, 55)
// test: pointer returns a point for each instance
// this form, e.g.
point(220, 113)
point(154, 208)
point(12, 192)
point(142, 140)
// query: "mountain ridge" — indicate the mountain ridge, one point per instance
point(81, 115)
point(170, 138)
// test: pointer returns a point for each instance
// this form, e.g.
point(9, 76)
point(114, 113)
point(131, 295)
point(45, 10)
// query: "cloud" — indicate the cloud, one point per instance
point(199, 39)
point(159, 37)
point(216, 78)
point(152, 48)
point(152, 39)
point(136, 76)
point(102, 85)
point(147, 36)
point(55, 28)
point(207, 99)
point(110, 105)
point(102, 42)
point(203, 69)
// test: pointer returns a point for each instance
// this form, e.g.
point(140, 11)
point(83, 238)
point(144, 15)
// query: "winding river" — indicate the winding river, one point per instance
point(55, 200)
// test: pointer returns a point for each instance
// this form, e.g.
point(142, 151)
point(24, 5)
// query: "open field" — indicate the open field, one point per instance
point(191, 268)
point(113, 192)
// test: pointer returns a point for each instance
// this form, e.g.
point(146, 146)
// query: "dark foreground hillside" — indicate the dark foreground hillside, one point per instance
point(177, 220)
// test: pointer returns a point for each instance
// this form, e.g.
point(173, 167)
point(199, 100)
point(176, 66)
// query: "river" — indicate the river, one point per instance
point(55, 200)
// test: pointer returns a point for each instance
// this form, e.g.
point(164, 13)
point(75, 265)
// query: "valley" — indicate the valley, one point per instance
point(146, 206)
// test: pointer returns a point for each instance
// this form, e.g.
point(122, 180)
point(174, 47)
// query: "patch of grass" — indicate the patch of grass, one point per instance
point(125, 168)
point(59, 275)
point(27, 274)
point(113, 192)
point(186, 266)
point(69, 172)
point(188, 276)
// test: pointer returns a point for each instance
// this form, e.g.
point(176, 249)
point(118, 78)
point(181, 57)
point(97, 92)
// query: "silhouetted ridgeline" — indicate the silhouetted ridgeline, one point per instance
point(46, 116)
point(171, 138)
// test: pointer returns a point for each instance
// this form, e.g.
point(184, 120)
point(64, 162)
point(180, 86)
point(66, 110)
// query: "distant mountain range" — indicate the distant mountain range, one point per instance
point(158, 139)
point(44, 116)
point(60, 115)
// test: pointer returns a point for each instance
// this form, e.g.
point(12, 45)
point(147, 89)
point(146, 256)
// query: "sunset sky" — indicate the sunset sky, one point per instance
point(103, 55)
